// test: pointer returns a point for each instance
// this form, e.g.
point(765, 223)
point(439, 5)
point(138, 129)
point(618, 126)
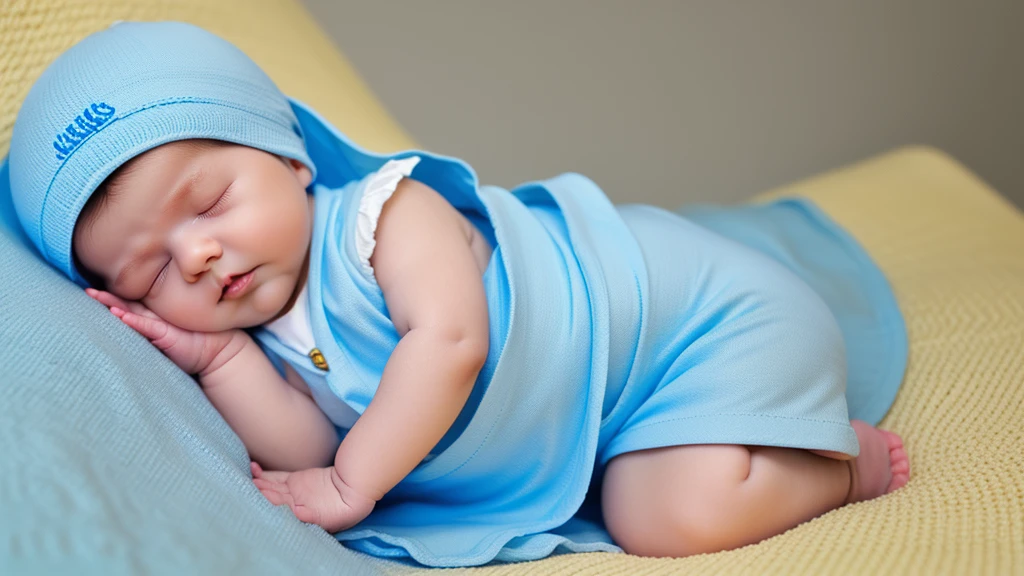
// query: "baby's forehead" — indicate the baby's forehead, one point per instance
point(142, 167)
point(175, 150)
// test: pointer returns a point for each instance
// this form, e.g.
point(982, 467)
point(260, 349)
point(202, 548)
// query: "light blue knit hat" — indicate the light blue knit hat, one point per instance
point(120, 92)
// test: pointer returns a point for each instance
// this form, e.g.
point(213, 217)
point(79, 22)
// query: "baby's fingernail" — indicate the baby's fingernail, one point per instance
point(116, 311)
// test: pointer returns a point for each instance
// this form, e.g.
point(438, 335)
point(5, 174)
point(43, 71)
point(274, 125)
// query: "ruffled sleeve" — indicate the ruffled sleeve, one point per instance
point(379, 188)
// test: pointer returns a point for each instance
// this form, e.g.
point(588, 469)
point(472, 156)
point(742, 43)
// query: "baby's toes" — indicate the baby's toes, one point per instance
point(893, 440)
point(898, 462)
point(898, 481)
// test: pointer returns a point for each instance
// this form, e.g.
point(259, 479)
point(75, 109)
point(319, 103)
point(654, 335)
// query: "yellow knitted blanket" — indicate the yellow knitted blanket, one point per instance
point(952, 248)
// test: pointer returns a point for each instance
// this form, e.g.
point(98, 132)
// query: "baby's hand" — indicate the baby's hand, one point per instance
point(317, 495)
point(193, 352)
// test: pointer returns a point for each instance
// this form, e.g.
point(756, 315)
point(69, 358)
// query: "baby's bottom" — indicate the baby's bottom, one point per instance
point(685, 500)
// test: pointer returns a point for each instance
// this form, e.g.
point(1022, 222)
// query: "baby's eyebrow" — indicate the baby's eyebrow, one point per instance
point(190, 183)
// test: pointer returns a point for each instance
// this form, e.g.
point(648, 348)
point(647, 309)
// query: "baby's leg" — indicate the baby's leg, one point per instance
point(685, 500)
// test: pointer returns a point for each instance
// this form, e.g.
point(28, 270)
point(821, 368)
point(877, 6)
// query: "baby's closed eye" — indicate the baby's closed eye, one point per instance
point(218, 205)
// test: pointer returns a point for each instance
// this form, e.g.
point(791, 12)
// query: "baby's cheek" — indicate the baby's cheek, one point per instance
point(185, 313)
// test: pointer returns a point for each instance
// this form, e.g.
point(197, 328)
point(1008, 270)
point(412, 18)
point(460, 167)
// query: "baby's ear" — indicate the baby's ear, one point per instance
point(301, 172)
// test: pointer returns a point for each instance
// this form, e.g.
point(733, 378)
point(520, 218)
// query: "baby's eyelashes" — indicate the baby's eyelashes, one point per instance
point(218, 205)
point(157, 280)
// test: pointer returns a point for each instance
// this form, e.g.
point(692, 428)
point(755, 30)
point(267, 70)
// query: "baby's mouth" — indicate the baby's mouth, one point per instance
point(237, 285)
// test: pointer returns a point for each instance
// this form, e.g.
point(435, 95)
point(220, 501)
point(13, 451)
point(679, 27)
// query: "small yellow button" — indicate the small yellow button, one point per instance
point(318, 359)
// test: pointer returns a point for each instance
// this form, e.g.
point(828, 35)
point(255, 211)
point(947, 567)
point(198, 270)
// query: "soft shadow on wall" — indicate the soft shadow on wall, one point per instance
point(666, 102)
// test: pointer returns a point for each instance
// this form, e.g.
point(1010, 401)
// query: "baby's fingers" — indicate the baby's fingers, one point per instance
point(110, 301)
point(154, 330)
point(275, 476)
point(106, 298)
point(276, 498)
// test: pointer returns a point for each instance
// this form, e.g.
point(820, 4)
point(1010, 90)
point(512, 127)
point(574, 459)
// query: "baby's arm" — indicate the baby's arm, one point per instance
point(280, 426)
point(434, 292)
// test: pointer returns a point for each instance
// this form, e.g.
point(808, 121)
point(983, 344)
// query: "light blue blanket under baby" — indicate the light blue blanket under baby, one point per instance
point(612, 329)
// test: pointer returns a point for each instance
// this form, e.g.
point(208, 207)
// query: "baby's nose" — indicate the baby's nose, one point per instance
point(197, 257)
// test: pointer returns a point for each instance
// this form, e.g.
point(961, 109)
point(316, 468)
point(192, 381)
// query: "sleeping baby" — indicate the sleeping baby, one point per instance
point(456, 373)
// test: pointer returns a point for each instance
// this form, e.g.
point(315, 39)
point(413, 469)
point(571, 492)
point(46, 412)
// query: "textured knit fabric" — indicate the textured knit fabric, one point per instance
point(124, 473)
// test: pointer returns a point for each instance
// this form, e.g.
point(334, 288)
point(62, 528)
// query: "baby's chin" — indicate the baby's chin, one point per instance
point(263, 305)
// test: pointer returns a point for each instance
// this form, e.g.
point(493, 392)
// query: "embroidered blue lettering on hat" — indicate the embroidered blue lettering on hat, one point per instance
point(120, 92)
point(85, 124)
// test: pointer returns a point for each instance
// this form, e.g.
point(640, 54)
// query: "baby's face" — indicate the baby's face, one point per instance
point(208, 238)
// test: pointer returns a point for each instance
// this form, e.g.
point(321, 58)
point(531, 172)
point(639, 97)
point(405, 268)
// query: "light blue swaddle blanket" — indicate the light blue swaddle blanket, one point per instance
point(612, 328)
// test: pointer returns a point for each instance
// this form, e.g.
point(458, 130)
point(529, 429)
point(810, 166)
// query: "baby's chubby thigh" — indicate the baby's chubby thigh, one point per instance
point(740, 353)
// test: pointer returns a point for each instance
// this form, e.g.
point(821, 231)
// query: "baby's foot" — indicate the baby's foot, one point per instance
point(882, 465)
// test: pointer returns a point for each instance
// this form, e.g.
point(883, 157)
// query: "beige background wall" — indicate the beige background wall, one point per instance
point(677, 101)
